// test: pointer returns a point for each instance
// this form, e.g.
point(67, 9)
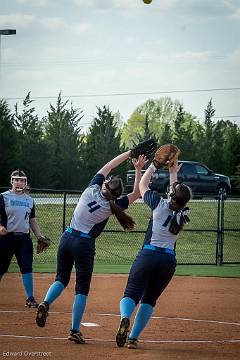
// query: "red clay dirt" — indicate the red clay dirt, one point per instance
point(195, 318)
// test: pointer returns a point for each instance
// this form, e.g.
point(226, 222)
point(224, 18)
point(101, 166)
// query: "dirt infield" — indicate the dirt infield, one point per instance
point(196, 318)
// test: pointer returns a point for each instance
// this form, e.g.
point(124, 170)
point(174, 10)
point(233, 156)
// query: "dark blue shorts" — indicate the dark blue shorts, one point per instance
point(150, 273)
point(78, 251)
point(19, 245)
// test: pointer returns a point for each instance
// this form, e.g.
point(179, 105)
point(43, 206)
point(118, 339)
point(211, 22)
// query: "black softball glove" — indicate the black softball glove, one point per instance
point(147, 148)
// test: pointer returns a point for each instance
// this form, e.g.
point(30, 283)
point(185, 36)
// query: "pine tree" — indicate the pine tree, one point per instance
point(183, 133)
point(31, 151)
point(102, 142)
point(208, 140)
point(62, 136)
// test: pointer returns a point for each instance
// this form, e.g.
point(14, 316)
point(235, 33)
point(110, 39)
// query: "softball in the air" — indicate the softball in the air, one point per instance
point(147, 1)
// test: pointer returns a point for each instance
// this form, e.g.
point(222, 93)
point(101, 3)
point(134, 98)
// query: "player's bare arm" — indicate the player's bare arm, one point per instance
point(35, 227)
point(138, 164)
point(174, 169)
point(145, 180)
point(112, 164)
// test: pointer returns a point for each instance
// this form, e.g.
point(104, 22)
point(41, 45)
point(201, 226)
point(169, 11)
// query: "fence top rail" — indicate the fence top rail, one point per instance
point(48, 191)
point(79, 191)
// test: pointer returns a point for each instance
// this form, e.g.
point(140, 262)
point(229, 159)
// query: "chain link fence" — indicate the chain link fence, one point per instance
point(211, 237)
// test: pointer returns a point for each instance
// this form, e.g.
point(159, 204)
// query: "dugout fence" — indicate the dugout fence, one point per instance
point(211, 238)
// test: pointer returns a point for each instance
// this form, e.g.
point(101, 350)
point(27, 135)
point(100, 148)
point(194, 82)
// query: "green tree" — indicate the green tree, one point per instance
point(159, 112)
point(166, 134)
point(132, 129)
point(208, 140)
point(236, 178)
point(231, 151)
point(31, 150)
point(62, 138)
point(183, 129)
point(146, 133)
point(198, 140)
point(102, 142)
point(218, 148)
point(8, 145)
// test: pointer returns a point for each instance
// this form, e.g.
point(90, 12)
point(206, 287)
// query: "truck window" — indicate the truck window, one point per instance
point(201, 170)
point(187, 169)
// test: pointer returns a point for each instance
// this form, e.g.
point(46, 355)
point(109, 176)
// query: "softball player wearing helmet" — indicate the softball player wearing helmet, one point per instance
point(17, 216)
point(77, 244)
point(155, 263)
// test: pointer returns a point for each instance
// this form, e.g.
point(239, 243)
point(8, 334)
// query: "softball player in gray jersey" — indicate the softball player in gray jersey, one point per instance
point(17, 216)
point(155, 263)
point(77, 244)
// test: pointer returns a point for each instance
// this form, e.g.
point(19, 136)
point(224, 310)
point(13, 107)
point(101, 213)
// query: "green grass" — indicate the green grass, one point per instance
point(181, 270)
point(209, 270)
point(117, 250)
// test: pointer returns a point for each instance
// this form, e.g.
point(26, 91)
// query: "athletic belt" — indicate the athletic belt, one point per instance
point(77, 233)
point(159, 249)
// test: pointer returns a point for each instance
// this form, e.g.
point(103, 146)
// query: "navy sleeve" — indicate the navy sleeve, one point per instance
point(152, 198)
point(32, 213)
point(97, 179)
point(1, 207)
point(3, 215)
point(123, 202)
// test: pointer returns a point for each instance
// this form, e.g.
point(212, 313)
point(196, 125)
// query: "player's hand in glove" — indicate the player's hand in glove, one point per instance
point(146, 148)
point(165, 155)
point(42, 244)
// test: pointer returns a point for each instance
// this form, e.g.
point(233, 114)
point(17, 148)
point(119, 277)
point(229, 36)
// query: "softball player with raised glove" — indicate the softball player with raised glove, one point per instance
point(17, 216)
point(97, 203)
point(155, 263)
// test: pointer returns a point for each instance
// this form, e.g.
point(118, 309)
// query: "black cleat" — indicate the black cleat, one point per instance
point(123, 329)
point(132, 343)
point(31, 302)
point(42, 313)
point(76, 336)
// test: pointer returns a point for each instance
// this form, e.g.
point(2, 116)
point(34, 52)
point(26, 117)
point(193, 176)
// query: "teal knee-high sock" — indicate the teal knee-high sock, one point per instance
point(142, 317)
point(78, 310)
point(53, 292)
point(27, 280)
point(127, 306)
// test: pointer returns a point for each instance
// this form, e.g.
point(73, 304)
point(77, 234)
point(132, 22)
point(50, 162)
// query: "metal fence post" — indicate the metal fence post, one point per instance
point(222, 196)
point(64, 209)
point(218, 230)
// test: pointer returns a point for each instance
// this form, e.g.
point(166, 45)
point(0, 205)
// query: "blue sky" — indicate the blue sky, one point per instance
point(97, 47)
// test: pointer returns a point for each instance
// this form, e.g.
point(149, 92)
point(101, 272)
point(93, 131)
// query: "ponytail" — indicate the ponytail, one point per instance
point(124, 220)
point(179, 219)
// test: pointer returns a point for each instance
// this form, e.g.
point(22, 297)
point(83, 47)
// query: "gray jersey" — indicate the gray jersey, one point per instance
point(93, 209)
point(15, 211)
point(158, 233)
